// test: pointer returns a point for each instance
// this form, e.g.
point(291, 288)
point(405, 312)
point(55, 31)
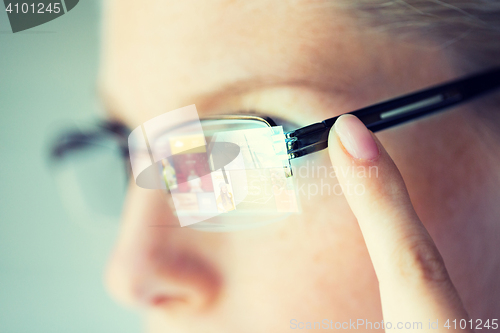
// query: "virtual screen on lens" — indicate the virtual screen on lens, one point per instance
point(254, 180)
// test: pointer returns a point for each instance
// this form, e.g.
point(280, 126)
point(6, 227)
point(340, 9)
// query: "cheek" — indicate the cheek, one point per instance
point(434, 161)
point(449, 185)
point(319, 263)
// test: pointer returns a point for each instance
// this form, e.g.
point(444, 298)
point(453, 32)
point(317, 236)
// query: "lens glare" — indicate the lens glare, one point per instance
point(239, 179)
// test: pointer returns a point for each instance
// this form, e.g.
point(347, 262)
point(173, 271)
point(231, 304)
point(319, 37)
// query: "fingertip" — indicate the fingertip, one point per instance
point(360, 159)
point(355, 138)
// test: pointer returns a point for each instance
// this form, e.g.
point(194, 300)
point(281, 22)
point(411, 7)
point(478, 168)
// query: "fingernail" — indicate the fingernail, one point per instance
point(356, 138)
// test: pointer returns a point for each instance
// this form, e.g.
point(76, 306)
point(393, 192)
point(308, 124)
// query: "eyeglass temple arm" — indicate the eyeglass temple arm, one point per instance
point(380, 116)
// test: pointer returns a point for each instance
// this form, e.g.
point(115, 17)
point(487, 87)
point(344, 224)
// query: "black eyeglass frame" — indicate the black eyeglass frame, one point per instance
point(314, 137)
point(377, 117)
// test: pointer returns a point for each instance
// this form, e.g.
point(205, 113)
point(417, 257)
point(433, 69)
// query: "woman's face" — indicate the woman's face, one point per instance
point(302, 61)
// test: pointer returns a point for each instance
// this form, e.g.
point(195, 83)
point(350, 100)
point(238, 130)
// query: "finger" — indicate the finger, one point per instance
point(413, 281)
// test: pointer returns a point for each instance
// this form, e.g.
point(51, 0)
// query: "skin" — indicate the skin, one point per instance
point(304, 64)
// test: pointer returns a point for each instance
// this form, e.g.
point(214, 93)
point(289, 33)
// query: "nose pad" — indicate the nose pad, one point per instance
point(156, 263)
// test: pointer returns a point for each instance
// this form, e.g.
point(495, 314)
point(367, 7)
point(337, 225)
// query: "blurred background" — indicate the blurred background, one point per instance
point(51, 265)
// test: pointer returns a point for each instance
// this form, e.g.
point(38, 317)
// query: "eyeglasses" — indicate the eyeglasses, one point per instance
point(183, 175)
point(396, 111)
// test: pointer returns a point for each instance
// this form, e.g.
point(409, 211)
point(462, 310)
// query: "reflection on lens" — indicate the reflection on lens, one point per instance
point(251, 187)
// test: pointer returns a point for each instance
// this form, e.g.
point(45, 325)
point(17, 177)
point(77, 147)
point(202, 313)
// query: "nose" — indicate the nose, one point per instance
point(158, 264)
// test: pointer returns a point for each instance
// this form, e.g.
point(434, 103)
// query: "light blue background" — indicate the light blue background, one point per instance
point(51, 269)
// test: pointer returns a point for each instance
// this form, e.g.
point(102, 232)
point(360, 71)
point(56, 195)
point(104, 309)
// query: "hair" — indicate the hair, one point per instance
point(468, 29)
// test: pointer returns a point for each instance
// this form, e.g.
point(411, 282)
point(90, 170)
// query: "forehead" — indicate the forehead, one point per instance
point(162, 55)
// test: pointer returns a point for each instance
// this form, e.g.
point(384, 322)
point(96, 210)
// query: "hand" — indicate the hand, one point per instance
point(413, 281)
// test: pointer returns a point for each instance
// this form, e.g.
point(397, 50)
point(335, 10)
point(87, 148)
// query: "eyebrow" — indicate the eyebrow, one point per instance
point(245, 85)
point(242, 86)
point(237, 87)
